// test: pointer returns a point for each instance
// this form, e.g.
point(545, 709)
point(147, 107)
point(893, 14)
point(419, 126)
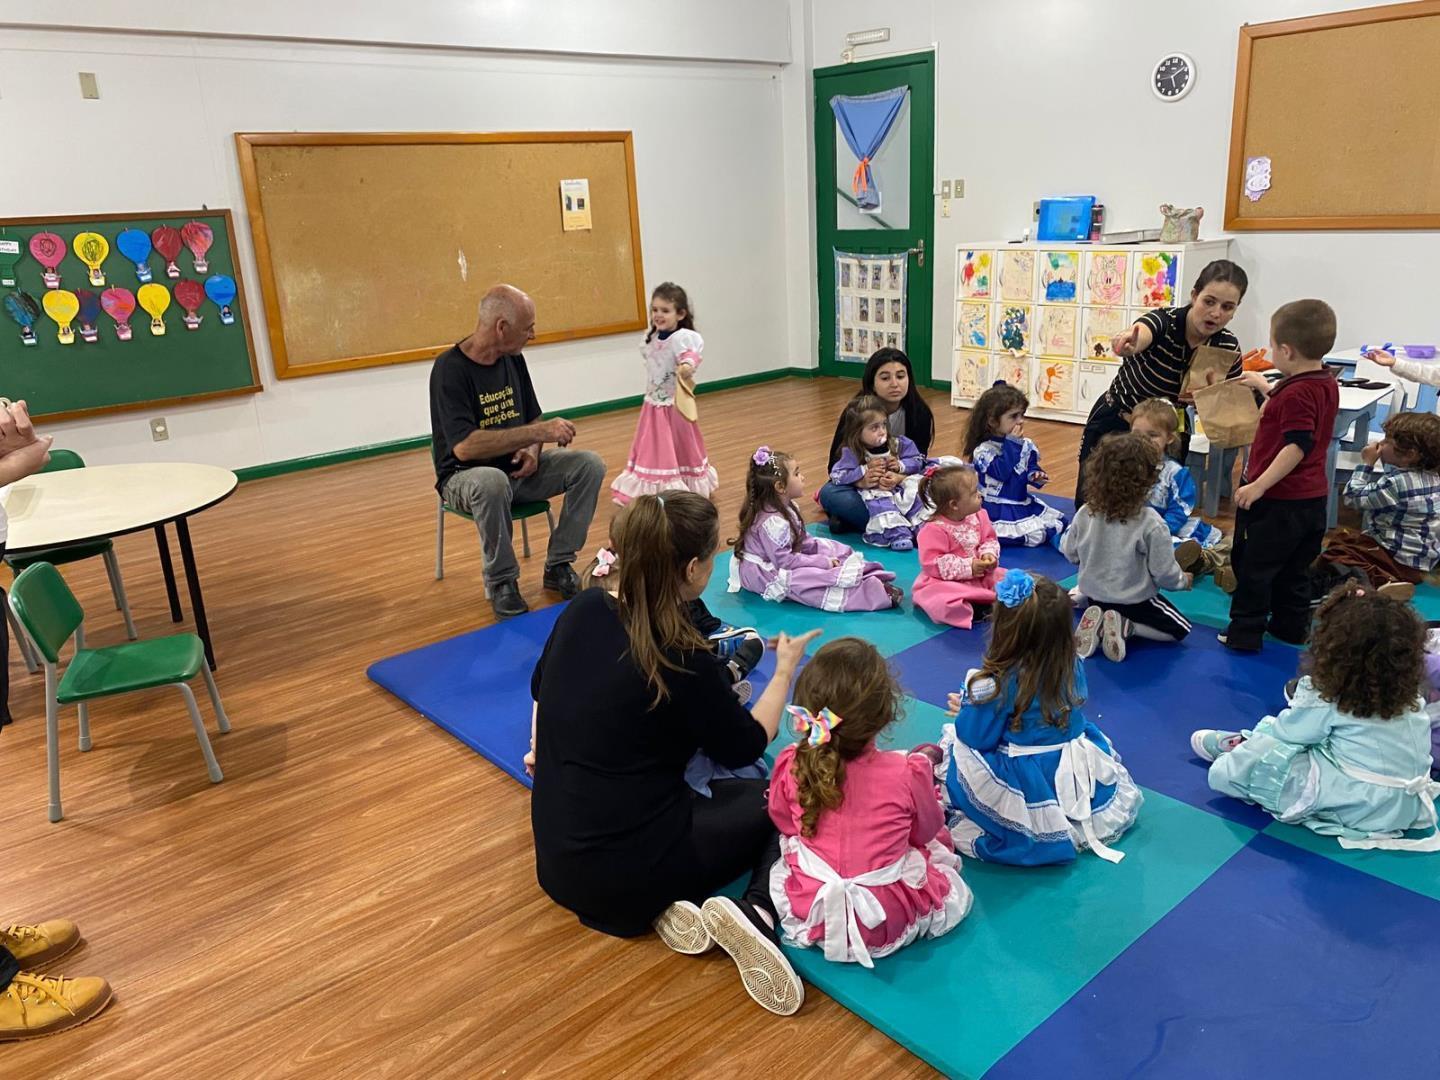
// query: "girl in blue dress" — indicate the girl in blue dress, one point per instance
point(1009, 466)
point(1030, 781)
point(1350, 756)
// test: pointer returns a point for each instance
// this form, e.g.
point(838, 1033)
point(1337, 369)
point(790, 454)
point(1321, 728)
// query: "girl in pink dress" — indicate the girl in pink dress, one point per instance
point(668, 452)
point(959, 553)
point(778, 559)
point(866, 864)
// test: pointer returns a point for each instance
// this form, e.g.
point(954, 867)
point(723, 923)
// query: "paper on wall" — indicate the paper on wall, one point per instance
point(870, 307)
point(575, 205)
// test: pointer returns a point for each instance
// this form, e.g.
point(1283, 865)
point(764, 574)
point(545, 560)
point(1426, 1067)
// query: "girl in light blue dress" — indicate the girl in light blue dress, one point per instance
point(1030, 781)
point(1350, 757)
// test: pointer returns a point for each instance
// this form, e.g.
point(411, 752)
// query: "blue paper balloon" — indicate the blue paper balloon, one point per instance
point(135, 246)
point(220, 288)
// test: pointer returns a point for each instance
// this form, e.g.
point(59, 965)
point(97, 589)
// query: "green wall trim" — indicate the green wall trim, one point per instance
point(419, 442)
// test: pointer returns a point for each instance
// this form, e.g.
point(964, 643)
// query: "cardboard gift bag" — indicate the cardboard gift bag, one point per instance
point(1207, 358)
point(1228, 413)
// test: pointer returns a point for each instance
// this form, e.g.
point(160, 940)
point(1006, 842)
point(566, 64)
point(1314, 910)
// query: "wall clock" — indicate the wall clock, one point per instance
point(1173, 77)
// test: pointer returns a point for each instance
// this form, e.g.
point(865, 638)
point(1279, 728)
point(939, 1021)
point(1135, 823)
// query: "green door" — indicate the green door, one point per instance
point(903, 225)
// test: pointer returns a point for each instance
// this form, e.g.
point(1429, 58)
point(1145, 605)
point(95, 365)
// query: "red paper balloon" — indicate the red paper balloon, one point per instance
point(48, 249)
point(118, 303)
point(167, 242)
point(189, 294)
point(198, 237)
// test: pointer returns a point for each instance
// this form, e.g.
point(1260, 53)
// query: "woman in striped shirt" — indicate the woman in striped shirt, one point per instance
point(1157, 350)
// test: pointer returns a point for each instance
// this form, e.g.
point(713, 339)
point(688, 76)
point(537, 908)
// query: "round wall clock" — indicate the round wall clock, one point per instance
point(1173, 77)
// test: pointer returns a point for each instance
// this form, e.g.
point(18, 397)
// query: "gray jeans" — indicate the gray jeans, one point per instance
point(486, 495)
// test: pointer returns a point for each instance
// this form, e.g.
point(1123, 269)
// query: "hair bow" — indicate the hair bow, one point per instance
point(762, 456)
point(931, 470)
point(814, 729)
point(604, 560)
point(1014, 588)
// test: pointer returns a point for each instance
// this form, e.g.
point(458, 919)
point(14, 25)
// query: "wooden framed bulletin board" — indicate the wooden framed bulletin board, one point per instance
point(374, 248)
point(1341, 115)
point(96, 371)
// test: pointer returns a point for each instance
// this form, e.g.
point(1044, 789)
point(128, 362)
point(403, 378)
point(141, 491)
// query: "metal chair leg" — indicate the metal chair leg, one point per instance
point(224, 721)
point(84, 711)
point(52, 741)
point(525, 536)
point(439, 539)
point(211, 765)
point(27, 651)
point(117, 587)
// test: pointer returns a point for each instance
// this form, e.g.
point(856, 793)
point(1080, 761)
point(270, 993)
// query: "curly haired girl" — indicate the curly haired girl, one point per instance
point(855, 819)
point(1124, 552)
point(1350, 757)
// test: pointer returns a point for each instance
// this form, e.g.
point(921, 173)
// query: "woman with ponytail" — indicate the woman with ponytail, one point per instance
point(627, 691)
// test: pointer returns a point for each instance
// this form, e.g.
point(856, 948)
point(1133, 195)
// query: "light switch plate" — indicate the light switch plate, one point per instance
point(89, 88)
point(944, 189)
point(958, 187)
point(159, 429)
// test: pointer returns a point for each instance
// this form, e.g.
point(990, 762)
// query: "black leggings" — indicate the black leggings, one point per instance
point(732, 833)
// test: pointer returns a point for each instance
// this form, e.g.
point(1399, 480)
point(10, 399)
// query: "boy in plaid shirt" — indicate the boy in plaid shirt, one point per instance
point(1397, 491)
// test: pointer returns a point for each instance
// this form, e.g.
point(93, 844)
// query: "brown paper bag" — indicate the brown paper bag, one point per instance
point(1208, 358)
point(1228, 413)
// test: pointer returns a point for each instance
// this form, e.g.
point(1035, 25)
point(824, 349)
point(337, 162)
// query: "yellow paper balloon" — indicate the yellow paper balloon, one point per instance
point(91, 248)
point(62, 306)
point(155, 299)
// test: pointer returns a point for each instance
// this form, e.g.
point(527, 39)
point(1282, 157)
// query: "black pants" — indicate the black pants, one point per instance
point(732, 833)
point(1276, 540)
point(9, 967)
point(1105, 419)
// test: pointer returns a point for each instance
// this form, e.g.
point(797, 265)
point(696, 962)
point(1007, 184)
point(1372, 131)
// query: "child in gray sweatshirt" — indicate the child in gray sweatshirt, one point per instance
point(1124, 552)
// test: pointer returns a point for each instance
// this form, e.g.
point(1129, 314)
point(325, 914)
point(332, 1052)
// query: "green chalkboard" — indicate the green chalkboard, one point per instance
point(87, 378)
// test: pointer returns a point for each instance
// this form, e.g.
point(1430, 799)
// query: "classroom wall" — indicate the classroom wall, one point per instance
point(1049, 97)
point(711, 176)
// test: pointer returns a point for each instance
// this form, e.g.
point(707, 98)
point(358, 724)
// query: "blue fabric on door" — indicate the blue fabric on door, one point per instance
point(865, 121)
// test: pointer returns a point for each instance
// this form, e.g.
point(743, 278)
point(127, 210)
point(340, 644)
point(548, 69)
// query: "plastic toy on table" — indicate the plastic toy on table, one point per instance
point(1412, 352)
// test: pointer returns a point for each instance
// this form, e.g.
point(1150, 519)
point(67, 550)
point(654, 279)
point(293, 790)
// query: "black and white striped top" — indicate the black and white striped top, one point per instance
point(1159, 370)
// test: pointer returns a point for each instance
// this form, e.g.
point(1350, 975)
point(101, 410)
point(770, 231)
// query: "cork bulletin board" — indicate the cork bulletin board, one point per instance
point(374, 248)
point(1340, 114)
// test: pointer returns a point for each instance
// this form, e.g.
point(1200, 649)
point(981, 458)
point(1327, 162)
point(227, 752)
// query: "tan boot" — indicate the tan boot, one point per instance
point(41, 944)
point(35, 1005)
point(1397, 590)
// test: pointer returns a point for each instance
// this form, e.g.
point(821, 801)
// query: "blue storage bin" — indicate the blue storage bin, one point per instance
point(1066, 218)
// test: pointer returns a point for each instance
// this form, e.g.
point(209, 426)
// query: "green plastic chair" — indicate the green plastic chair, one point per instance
point(50, 615)
point(60, 461)
point(520, 512)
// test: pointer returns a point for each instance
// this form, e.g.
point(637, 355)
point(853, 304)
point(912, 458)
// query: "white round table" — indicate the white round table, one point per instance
point(52, 509)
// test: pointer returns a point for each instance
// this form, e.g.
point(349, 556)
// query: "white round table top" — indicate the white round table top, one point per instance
point(53, 508)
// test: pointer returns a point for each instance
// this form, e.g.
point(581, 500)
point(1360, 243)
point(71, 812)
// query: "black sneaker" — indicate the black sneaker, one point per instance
point(561, 579)
point(505, 598)
point(768, 977)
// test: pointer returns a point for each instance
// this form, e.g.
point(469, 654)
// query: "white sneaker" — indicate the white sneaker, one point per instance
point(1087, 634)
point(681, 927)
point(1114, 629)
point(767, 975)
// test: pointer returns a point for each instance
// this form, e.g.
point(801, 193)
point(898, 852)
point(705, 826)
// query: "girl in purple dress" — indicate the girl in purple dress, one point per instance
point(885, 469)
point(778, 559)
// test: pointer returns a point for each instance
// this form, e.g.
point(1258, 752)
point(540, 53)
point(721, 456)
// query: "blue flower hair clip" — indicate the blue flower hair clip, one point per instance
point(1015, 588)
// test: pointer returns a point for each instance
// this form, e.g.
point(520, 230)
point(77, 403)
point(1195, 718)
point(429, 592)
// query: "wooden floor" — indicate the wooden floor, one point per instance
point(358, 897)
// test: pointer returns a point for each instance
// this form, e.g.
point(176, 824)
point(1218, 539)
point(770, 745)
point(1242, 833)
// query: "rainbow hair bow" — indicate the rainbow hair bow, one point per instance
point(813, 728)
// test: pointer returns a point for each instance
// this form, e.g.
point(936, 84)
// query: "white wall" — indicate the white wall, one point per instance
point(1079, 117)
point(712, 180)
point(753, 30)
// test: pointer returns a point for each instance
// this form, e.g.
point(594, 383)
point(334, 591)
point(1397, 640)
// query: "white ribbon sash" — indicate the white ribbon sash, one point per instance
point(1425, 789)
point(845, 903)
point(1083, 768)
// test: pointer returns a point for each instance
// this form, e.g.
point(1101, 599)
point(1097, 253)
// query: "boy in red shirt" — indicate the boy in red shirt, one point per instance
point(1280, 517)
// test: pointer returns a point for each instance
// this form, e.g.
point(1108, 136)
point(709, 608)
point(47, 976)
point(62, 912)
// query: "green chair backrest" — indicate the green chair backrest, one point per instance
point(46, 608)
point(61, 460)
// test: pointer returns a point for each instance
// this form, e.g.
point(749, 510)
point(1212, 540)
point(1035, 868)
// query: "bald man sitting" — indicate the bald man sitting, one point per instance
point(489, 439)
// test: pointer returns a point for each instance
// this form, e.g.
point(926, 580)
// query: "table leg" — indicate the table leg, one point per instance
point(192, 577)
point(167, 567)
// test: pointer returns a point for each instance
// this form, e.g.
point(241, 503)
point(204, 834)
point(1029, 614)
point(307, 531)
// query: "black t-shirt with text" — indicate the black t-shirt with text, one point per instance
point(466, 397)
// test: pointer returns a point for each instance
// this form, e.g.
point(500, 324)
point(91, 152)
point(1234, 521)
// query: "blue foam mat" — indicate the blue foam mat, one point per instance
point(1282, 964)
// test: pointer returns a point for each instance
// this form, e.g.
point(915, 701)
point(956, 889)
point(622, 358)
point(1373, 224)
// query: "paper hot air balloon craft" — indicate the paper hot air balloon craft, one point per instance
point(92, 248)
point(89, 314)
point(190, 295)
point(134, 244)
point(24, 309)
point(9, 255)
point(119, 304)
point(221, 289)
point(48, 249)
point(167, 242)
point(198, 237)
point(155, 299)
point(62, 306)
